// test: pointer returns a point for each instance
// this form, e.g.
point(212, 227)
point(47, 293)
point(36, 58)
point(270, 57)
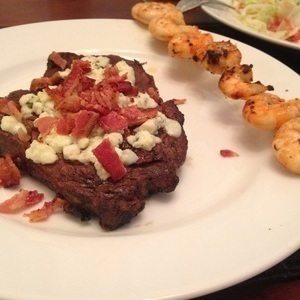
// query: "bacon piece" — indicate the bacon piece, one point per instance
point(65, 124)
point(9, 173)
point(43, 82)
point(85, 84)
point(104, 95)
point(71, 103)
point(46, 210)
point(14, 110)
point(136, 116)
point(21, 200)
point(84, 122)
point(112, 75)
point(127, 88)
point(3, 106)
point(179, 101)
point(66, 97)
point(153, 93)
point(45, 124)
point(58, 60)
point(23, 136)
point(113, 122)
point(100, 109)
point(79, 68)
point(130, 112)
point(109, 159)
point(228, 153)
point(122, 86)
point(11, 108)
point(66, 103)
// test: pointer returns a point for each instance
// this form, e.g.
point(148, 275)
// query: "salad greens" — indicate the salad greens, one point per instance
point(276, 18)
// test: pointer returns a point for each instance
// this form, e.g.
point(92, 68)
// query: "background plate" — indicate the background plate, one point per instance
point(230, 18)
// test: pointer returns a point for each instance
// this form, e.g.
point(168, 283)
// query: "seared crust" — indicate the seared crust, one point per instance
point(114, 203)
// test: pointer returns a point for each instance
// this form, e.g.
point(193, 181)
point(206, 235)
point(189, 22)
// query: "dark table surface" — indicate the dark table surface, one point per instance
point(283, 280)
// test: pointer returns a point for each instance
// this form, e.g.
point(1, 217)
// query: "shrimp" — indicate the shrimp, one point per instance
point(165, 28)
point(286, 146)
point(185, 44)
point(146, 11)
point(218, 56)
point(268, 111)
point(236, 83)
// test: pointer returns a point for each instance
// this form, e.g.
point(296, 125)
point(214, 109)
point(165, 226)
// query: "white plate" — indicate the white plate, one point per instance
point(229, 218)
point(230, 18)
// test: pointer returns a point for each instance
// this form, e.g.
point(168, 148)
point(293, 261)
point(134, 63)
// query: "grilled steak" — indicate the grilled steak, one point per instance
point(114, 201)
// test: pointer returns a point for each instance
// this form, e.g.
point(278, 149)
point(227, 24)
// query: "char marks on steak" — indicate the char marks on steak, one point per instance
point(113, 202)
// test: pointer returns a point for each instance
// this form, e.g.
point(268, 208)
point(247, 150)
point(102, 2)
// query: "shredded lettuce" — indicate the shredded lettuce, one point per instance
point(276, 18)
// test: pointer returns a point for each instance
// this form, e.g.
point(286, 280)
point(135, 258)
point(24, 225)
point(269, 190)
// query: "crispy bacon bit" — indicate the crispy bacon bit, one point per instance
point(21, 200)
point(70, 103)
point(79, 68)
point(9, 173)
point(66, 97)
point(109, 159)
point(65, 125)
point(84, 104)
point(46, 210)
point(45, 124)
point(179, 101)
point(11, 108)
point(34, 197)
point(136, 116)
point(228, 153)
point(86, 84)
point(154, 95)
point(126, 88)
point(58, 60)
point(84, 122)
point(14, 110)
point(113, 122)
point(43, 82)
point(23, 136)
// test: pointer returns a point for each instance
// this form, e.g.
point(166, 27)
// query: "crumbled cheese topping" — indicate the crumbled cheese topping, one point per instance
point(37, 104)
point(124, 68)
point(142, 100)
point(41, 153)
point(12, 125)
point(98, 63)
point(47, 148)
point(143, 139)
point(172, 127)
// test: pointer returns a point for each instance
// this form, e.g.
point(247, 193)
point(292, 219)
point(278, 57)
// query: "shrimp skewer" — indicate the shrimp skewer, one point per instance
point(165, 28)
point(216, 57)
point(144, 12)
point(268, 111)
point(186, 44)
point(262, 110)
point(236, 83)
point(286, 146)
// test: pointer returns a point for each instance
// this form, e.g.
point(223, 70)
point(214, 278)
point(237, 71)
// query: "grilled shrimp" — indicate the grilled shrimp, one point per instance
point(218, 56)
point(236, 83)
point(165, 28)
point(146, 11)
point(268, 111)
point(286, 145)
point(186, 44)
